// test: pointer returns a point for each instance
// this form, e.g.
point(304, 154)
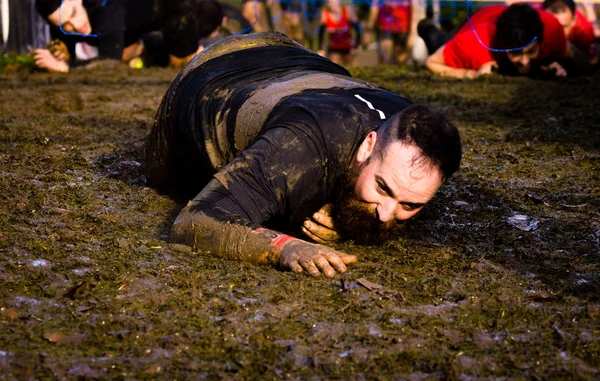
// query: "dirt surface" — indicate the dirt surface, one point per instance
point(498, 278)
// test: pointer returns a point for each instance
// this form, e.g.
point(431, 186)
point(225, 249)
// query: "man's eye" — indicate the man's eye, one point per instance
point(409, 208)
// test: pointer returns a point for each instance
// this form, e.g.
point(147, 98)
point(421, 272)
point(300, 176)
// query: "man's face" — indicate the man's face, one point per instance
point(73, 16)
point(563, 14)
point(522, 59)
point(384, 191)
point(334, 4)
point(398, 184)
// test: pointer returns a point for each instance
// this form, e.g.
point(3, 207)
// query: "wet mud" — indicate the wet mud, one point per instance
point(498, 278)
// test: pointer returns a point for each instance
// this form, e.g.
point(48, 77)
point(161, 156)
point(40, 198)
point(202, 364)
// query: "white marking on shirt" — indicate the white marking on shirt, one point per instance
point(381, 114)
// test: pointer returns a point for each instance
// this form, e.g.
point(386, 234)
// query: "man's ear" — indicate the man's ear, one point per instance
point(366, 147)
point(224, 21)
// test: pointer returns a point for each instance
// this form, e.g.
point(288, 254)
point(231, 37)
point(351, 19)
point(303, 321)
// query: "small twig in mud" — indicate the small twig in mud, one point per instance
point(574, 206)
point(368, 284)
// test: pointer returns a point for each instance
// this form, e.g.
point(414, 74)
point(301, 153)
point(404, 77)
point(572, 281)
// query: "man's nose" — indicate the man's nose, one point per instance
point(386, 210)
point(77, 25)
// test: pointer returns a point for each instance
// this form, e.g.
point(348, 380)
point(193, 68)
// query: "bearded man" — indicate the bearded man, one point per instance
point(268, 132)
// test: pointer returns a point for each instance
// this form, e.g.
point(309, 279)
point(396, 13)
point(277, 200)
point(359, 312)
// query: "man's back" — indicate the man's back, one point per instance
point(235, 103)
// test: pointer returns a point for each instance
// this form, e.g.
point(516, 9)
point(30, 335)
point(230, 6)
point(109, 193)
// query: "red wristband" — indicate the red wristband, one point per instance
point(281, 240)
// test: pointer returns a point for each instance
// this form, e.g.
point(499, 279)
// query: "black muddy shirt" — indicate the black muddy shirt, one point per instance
point(274, 126)
point(120, 23)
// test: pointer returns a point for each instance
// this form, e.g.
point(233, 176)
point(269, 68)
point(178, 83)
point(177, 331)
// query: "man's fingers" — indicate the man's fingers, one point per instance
point(323, 219)
point(309, 266)
point(314, 259)
point(323, 216)
point(326, 209)
point(336, 262)
point(39, 62)
point(295, 267)
point(59, 55)
point(560, 71)
point(324, 233)
point(311, 235)
point(292, 264)
point(347, 258)
point(324, 266)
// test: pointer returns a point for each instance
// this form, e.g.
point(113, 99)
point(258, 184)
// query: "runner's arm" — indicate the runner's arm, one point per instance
point(263, 183)
point(437, 64)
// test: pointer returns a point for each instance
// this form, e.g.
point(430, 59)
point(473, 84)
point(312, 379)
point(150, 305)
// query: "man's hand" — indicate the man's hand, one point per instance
point(298, 256)
point(559, 71)
point(320, 228)
point(58, 49)
point(487, 68)
point(44, 59)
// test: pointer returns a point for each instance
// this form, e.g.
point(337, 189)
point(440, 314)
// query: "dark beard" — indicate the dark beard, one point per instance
point(357, 220)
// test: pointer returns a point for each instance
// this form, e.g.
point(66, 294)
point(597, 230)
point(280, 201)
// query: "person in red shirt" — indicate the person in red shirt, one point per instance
point(337, 20)
point(515, 39)
point(579, 31)
point(396, 24)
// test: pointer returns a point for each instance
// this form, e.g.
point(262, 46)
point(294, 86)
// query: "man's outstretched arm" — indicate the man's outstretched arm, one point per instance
point(437, 64)
point(261, 246)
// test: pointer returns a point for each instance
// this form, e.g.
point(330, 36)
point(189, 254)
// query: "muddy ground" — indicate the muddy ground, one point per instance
point(498, 278)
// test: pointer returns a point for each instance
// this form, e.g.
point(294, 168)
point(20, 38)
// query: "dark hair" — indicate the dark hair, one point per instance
point(46, 7)
point(553, 5)
point(517, 26)
point(209, 15)
point(431, 131)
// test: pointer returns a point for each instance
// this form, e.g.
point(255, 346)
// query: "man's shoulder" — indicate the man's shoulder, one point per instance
point(468, 49)
point(335, 120)
point(554, 41)
point(341, 103)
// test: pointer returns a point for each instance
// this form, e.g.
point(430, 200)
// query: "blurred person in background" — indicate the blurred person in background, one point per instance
point(211, 21)
point(338, 21)
point(257, 14)
point(235, 21)
point(214, 20)
point(515, 40)
point(395, 22)
point(21, 28)
point(579, 31)
point(97, 29)
point(293, 13)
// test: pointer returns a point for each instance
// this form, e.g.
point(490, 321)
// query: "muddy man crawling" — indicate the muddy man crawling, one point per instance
point(269, 132)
